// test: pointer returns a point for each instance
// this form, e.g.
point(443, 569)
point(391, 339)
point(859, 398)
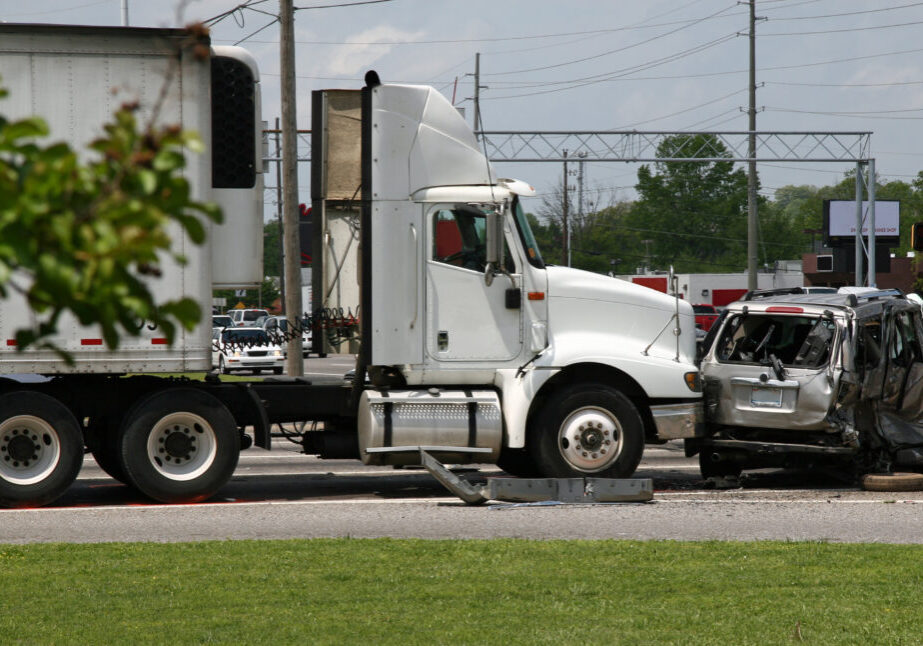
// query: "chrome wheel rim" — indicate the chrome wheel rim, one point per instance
point(590, 439)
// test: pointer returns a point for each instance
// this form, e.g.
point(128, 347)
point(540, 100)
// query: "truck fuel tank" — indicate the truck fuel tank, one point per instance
point(435, 418)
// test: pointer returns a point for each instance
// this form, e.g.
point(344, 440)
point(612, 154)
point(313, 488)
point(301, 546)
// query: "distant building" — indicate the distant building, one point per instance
point(721, 289)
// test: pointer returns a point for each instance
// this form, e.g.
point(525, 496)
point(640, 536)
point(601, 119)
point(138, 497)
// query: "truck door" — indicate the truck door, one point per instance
point(467, 320)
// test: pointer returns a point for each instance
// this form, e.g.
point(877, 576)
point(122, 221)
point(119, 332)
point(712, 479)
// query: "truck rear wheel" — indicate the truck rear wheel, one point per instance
point(587, 429)
point(179, 445)
point(41, 449)
point(105, 448)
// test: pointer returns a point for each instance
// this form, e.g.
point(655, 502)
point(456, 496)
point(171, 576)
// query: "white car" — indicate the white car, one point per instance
point(277, 328)
point(245, 348)
point(246, 317)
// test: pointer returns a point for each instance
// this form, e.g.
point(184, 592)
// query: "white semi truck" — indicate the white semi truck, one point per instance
point(469, 345)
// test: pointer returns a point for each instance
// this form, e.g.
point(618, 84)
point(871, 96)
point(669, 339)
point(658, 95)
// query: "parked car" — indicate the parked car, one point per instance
point(221, 320)
point(245, 348)
point(243, 317)
point(705, 316)
point(277, 328)
point(814, 379)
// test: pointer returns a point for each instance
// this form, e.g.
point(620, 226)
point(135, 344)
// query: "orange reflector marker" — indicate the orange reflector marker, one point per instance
point(785, 310)
point(536, 296)
point(91, 341)
point(693, 381)
point(159, 341)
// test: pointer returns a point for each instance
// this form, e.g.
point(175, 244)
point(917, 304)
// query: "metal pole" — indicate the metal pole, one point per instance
point(870, 183)
point(292, 270)
point(279, 214)
point(477, 94)
point(124, 13)
point(859, 243)
point(751, 164)
point(564, 212)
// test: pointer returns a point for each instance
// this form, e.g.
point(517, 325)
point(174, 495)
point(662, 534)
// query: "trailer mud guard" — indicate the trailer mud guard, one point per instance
point(262, 435)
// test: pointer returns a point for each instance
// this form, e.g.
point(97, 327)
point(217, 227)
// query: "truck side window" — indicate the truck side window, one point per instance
point(459, 238)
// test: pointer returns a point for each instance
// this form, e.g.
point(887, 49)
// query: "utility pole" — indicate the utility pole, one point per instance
point(292, 252)
point(279, 211)
point(477, 94)
point(564, 212)
point(751, 165)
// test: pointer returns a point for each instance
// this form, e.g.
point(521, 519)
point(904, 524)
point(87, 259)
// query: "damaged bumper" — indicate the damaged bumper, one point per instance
point(679, 421)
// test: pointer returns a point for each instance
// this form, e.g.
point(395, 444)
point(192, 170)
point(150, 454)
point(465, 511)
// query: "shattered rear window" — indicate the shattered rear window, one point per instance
point(796, 341)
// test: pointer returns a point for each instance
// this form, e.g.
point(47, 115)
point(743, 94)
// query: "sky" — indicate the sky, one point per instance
point(666, 65)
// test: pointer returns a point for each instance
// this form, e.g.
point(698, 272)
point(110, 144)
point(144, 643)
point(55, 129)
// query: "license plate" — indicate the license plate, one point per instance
point(767, 397)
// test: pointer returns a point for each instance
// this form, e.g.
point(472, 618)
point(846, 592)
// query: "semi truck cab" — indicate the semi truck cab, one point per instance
point(575, 370)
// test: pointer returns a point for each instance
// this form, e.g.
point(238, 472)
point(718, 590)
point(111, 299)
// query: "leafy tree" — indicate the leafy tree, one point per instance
point(81, 237)
point(694, 212)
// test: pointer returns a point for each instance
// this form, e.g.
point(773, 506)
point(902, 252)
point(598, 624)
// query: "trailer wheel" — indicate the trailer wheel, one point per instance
point(105, 448)
point(587, 429)
point(41, 449)
point(179, 445)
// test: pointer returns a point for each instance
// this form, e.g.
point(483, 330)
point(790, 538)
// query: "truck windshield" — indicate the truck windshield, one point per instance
point(526, 236)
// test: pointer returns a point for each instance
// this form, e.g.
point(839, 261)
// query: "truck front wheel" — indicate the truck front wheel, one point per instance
point(179, 445)
point(41, 449)
point(587, 429)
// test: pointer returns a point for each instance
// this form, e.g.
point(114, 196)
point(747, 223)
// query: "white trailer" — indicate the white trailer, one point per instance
point(474, 348)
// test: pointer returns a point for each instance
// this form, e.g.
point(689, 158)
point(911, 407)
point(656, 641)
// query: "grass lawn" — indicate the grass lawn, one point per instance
point(461, 592)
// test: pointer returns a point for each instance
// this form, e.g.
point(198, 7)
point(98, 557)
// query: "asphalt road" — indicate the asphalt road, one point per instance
point(284, 494)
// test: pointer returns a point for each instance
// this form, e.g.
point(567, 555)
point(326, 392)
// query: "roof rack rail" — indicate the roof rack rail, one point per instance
point(765, 293)
point(852, 299)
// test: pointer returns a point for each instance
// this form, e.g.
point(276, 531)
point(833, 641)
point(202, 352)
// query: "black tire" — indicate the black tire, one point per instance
point(587, 429)
point(713, 464)
point(519, 463)
point(277, 371)
point(179, 445)
point(105, 448)
point(41, 449)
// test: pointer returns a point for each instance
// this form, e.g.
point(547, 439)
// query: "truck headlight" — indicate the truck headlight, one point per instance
point(693, 381)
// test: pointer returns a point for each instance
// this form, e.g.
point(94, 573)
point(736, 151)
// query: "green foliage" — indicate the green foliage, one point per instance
point(347, 591)
point(694, 212)
point(88, 237)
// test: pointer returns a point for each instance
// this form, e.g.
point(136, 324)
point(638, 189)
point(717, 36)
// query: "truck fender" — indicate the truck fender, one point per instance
point(518, 390)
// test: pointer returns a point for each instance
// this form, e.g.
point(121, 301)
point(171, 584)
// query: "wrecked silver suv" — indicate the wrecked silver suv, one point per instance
point(804, 380)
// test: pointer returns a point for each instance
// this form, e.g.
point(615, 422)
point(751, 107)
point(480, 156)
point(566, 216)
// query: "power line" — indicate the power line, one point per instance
point(894, 84)
point(591, 80)
point(343, 4)
point(863, 115)
point(609, 52)
point(850, 13)
point(845, 29)
point(673, 114)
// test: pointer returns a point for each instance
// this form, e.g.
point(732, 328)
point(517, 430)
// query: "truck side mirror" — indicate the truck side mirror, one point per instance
point(494, 251)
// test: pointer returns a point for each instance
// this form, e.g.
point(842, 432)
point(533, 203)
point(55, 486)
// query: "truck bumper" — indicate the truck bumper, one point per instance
point(678, 421)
